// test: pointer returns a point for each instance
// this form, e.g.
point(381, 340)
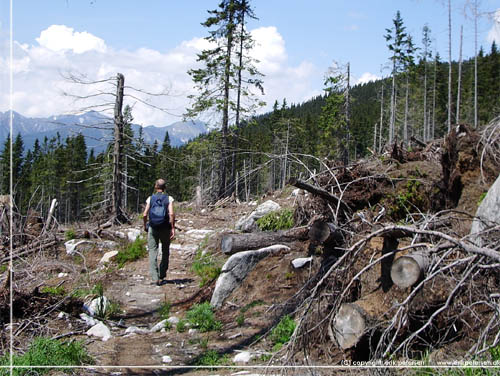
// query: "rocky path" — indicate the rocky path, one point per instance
point(135, 342)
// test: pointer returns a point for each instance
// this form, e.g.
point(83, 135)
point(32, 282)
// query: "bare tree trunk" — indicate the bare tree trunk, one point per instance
point(345, 157)
point(459, 74)
point(433, 123)
point(381, 119)
point(117, 186)
point(405, 127)
point(449, 65)
point(475, 64)
point(393, 109)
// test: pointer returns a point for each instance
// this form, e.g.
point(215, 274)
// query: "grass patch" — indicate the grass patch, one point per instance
point(69, 234)
point(282, 332)
point(276, 220)
point(132, 251)
point(251, 305)
point(181, 326)
point(164, 310)
point(47, 352)
point(201, 316)
point(205, 265)
point(212, 358)
point(53, 290)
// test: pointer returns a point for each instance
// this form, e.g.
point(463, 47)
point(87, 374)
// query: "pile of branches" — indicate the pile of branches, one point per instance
point(398, 291)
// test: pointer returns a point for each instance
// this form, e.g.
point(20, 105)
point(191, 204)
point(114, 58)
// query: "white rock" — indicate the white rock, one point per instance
point(488, 213)
point(242, 357)
point(192, 331)
point(166, 359)
point(199, 234)
point(100, 330)
point(62, 315)
point(155, 300)
point(108, 256)
point(98, 305)
point(109, 244)
point(301, 262)
point(135, 329)
point(173, 320)
point(120, 234)
point(88, 320)
point(236, 269)
point(133, 233)
point(168, 344)
point(62, 275)
point(158, 327)
point(74, 245)
point(247, 223)
point(296, 192)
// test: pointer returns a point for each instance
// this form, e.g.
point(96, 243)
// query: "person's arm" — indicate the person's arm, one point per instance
point(171, 216)
point(145, 216)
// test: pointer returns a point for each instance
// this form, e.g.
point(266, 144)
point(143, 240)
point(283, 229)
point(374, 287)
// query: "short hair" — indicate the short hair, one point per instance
point(160, 184)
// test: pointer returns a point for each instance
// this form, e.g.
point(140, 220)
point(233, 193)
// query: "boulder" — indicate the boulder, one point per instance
point(97, 306)
point(76, 245)
point(158, 327)
point(247, 223)
point(100, 330)
point(301, 262)
point(488, 213)
point(166, 359)
point(108, 256)
point(242, 357)
point(135, 329)
point(88, 320)
point(132, 234)
point(236, 269)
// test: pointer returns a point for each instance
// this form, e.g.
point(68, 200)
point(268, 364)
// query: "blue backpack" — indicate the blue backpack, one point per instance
point(158, 211)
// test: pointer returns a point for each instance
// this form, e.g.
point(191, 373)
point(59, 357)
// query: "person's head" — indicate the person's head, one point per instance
point(160, 185)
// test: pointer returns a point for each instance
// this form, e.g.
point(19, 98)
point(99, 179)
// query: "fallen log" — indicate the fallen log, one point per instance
point(233, 243)
point(407, 270)
point(324, 194)
point(353, 320)
point(322, 232)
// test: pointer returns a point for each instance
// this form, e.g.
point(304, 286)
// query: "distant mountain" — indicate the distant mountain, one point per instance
point(96, 128)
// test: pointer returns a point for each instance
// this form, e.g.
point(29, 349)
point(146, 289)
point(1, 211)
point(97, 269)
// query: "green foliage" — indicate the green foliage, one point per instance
point(132, 251)
point(276, 220)
point(205, 265)
point(56, 290)
point(251, 305)
point(47, 352)
point(201, 316)
point(282, 332)
point(240, 320)
point(212, 358)
point(181, 326)
point(164, 310)
point(69, 234)
point(407, 200)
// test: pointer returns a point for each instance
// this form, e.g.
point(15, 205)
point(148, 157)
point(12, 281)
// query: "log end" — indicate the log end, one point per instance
point(227, 244)
point(405, 271)
point(349, 325)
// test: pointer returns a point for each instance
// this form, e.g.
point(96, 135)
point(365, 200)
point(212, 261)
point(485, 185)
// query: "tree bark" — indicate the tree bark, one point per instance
point(234, 243)
point(317, 191)
point(407, 270)
point(117, 212)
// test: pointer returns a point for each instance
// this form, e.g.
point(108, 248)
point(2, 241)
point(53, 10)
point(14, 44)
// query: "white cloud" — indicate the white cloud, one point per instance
point(39, 83)
point(494, 33)
point(61, 38)
point(367, 77)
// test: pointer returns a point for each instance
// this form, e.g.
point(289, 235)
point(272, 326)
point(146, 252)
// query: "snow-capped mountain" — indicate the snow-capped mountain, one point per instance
point(96, 128)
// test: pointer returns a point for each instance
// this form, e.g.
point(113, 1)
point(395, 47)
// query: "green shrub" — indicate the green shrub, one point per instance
point(481, 198)
point(69, 234)
point(206, 266)
point(164, 310)
point(240, 320)
point(201, 316)
point(212, 358)
point(181, 326)
point(282, 332)
point(132, 251)
point(56, 290)
point(277, 220)
point(47, 352)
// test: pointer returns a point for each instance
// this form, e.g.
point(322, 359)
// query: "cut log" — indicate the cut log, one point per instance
point(233, 243)
point(354, 319)
point(322, 232)
point(407, 270)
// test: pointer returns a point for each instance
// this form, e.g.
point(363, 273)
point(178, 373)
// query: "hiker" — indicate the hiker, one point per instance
point(160, 228)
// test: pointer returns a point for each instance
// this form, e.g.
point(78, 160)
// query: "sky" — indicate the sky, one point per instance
point(154, 43)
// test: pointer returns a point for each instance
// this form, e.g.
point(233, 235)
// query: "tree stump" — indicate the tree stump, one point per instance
point(322, 232)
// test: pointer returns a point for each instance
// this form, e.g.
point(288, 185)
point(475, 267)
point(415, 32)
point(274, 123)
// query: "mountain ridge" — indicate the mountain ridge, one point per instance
point(94, 126)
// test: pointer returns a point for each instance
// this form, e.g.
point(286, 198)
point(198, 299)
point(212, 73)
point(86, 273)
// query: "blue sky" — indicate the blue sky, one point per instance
point(154, 43)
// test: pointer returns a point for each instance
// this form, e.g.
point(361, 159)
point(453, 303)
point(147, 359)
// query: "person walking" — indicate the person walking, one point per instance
point(159, 223)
